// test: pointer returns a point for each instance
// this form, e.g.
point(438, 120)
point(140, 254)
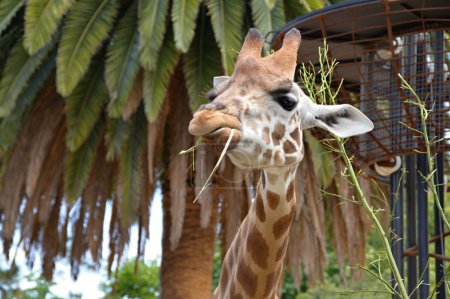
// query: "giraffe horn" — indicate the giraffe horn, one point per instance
point(253, 44)
point(287, 55)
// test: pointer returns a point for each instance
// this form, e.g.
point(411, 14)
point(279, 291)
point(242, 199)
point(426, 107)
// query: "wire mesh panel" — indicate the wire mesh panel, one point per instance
point(373, 42)
point(420, 59)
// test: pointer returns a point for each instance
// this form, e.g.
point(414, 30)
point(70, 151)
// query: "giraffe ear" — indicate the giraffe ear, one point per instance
point(341, 120)
point(219, 79)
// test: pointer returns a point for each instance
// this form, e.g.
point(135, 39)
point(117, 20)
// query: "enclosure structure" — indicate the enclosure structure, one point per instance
point(374, 41)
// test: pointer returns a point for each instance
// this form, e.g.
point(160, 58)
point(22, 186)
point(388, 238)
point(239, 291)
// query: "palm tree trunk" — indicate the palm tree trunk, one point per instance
point(187, 261)
point(186, 272)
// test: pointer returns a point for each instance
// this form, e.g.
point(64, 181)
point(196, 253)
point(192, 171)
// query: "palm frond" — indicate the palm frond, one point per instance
point(122, 64)
point(130, 168)
point(268, 19)
point(156, 81)
point(84, 106)
point(79, 164)
point(8, 9)
point(86, 28)
point(292, 9)
point(226, 16)
point(117, 133)
point(152, 26)
point(7, 41)
point(10, 126)
point(271, 3)
point(202, 63)
point(311, 5)
point(135, 97)
point(17, 72)
point(42, 18)
point(184, 15)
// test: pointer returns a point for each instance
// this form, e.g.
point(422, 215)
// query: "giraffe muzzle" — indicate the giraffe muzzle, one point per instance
point(207, 122)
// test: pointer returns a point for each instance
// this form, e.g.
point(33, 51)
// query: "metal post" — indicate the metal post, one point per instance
point(396, 203)
point(422, 223)
point(422, 203)
point(411, 227)
point(438, 86)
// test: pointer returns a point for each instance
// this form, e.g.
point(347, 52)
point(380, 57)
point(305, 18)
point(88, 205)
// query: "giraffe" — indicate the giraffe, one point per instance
point(268, 112)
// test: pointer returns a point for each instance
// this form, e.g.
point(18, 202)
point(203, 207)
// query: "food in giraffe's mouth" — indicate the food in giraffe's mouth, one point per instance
point(219, 137)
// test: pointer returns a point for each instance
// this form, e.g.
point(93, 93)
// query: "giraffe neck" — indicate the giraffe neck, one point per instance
point(253, 264)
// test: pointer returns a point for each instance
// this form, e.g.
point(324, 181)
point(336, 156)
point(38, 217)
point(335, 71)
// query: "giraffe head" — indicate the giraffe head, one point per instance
point(267, 109)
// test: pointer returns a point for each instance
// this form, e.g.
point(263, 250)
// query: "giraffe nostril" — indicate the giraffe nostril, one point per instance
point(213, 107)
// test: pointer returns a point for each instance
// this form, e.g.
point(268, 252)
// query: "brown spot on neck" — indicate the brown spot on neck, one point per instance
point(247, 278)
point(281, 226)
point(271, 283)
point(273, 199)
point(290, 192)
point(258, 248)
point(259, 208)
point(282, 250)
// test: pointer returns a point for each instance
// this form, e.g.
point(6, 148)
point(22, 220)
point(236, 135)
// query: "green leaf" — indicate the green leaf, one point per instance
point(86, 28)
point(184, 15)
point(311, 5)
point(226, 16)
point(84, 106)
point(17, 72)
point(271, 3)
point(12, 124)
point(79, 164)
point(117, 133)
point(201, 63)
point(157, 81)
point(122, 64)
point(41, 21)
point(130, 167)
point(152, 26)
point(7, 41)
point(8, 9)
point(265, 18)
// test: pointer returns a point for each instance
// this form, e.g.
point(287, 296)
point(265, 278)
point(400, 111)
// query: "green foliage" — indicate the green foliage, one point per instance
point(143, 283)
point(8, 9)
point(11, 278)
point(184, 15)
point(227, 19)
point(84, 106)
point(202, 63)
point(122, 62)
point(130, 167)
point(86, 28)
point(10, 126)
point(79, 164)
point(267, 19)
point(117, 133)
point(41, 21)
point(152, 26)
point(17, 72)
point(156, 81)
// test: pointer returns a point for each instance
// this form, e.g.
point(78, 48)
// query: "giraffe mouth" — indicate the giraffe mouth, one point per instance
point(213, 123)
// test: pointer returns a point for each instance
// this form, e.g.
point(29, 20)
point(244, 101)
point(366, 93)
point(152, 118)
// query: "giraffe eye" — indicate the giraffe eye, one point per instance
point(286, 102)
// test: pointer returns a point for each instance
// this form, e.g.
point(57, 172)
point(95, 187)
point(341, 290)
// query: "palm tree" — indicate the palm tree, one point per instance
point(95, 97)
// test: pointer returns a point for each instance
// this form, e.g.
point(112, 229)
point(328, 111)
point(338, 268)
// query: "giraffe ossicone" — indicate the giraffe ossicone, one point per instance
point(268, 112)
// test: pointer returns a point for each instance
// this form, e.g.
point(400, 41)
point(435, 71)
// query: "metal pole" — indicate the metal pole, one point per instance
point(396, 204)
point(437, 93)
point(411, 227)
point(422, 203)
